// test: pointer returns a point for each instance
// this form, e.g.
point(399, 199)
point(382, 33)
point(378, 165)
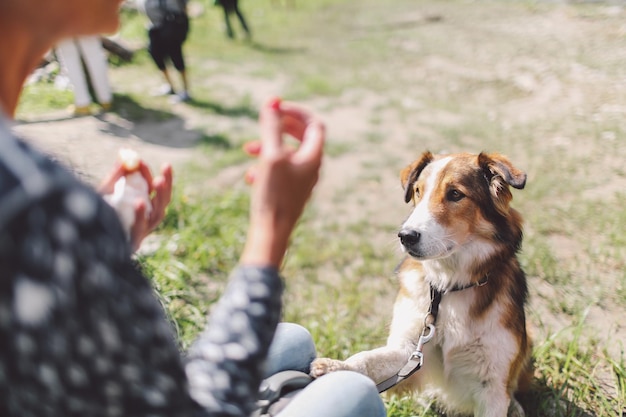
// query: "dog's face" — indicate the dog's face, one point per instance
point(459, 200)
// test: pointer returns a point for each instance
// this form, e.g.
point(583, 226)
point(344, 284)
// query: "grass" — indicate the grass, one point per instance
point(42, 97)
point(496, 76)
point(202, 236)
point(573, 372)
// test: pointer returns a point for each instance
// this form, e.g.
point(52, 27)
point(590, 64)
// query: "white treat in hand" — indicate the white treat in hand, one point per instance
point(129, 158)
point(129, 189)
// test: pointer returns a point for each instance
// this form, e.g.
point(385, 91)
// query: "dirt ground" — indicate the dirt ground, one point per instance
point(89, 144)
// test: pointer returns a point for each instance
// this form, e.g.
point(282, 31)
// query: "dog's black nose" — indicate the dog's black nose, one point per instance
point(409, 237)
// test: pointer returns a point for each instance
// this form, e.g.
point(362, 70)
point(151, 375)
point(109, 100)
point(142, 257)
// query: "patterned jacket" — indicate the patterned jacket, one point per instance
point(81, 331)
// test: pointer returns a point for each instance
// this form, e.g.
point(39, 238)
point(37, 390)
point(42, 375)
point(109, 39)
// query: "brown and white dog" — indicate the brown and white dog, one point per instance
point(462, 232)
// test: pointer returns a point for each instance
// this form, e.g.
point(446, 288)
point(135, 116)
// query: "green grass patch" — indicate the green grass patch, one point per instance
point(201, 239)
point(43, 97)
point(573, 377)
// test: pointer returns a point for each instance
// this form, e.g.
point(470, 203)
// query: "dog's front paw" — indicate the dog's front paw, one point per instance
point(323, 366)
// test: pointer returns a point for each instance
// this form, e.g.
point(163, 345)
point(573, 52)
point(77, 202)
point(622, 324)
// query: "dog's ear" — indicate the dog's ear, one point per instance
point(500, 173)
point(411, 173)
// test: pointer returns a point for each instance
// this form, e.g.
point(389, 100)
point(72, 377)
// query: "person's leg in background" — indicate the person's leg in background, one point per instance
point(227, 7)
point(96, 62)
point(69, 56)
point(176, 55)
point(242, 20)
point(157, 51)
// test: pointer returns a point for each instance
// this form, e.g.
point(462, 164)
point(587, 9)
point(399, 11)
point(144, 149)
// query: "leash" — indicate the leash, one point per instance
point(416, 360)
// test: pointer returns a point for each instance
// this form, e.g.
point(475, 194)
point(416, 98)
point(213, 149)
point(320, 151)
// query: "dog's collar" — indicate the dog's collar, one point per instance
point(436, 295)
point(478, 283)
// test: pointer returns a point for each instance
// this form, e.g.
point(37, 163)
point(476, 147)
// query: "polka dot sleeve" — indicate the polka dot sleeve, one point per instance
point(225, 365)
point(82, 333)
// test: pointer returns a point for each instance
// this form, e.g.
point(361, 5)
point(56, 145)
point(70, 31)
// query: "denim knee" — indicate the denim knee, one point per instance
point(291, 349)
point(338, 394)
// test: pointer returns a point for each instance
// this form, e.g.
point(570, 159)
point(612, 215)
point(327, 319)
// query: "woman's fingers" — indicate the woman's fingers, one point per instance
point(302, 125)
point(252, 148)
point(139, 229)
point(167, 174)
point(162, 186)
point(271, 129)
point(107, 185)
point(312, 146)
point(294, 126)
point(278, 118)
point(296, 119)
point(292, 120)
point(250, 175)
point(144, 170)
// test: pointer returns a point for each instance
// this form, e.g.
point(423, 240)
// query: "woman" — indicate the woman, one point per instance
point(81, 332)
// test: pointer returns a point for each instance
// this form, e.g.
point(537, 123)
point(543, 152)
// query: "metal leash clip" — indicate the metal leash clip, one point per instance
point(427, 334)
point(417, 355)
point(415, 362)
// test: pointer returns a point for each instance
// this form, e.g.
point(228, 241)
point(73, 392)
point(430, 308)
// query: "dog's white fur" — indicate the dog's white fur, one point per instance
point(480, 350)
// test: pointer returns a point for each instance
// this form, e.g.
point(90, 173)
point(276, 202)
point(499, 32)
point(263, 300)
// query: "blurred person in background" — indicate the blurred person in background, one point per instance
point(230, 7)
point(86, 53)
point(167, 34)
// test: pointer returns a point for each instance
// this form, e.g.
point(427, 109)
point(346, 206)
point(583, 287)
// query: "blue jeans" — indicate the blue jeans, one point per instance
point(339, 394)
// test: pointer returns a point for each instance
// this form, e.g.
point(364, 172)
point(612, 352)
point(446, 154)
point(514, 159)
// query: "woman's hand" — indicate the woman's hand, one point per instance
point(160, 191)
point(282, 180)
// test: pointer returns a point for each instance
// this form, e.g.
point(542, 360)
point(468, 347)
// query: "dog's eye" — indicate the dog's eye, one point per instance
point(454, 195)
